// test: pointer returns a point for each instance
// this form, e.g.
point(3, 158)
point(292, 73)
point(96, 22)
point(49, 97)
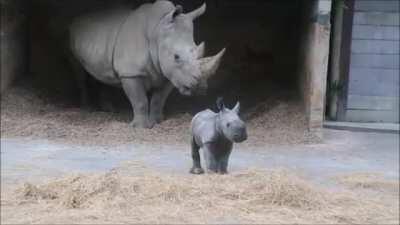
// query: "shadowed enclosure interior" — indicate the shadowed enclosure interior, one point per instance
point(261, 37)
point(268, 66)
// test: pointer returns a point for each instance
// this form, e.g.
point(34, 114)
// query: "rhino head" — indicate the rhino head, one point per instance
point(229, 122)
point(180, 60)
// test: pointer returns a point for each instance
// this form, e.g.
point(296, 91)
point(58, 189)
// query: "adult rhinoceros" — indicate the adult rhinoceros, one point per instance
point(147, 51)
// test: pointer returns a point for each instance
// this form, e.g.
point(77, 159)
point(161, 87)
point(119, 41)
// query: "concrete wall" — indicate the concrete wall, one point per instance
point(373, 88)
point(313, 60)
point(13, 42)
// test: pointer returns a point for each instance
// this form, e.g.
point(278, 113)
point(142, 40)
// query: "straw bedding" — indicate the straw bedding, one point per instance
point(252, 196)
point(25, 112)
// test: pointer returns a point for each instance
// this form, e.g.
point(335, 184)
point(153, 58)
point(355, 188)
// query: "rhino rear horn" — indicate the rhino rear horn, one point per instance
point(200, 49)
point(209, 65)
point(236, 109)
point(197, 12)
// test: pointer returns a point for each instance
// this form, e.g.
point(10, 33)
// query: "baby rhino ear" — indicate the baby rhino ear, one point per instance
point(220, 104)
point(236, 109)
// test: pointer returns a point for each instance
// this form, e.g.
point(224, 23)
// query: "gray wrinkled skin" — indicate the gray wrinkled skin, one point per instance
point(147, 51)
point(215, 134)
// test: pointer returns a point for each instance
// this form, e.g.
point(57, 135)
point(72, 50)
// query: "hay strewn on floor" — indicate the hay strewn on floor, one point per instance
point(253, 196)
point(26, 113)
point(369, 181)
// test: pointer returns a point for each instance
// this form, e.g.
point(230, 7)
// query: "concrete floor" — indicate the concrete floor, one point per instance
point(342, 152)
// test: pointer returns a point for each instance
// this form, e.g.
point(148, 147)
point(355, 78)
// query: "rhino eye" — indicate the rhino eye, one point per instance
point(176, 57)
point(228, 124)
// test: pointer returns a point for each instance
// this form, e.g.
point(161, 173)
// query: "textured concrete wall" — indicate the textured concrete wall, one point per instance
point(313, 64)
point(13, 41)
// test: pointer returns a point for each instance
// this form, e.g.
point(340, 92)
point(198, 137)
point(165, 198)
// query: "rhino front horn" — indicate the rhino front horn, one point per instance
point(200, 49)
point(197, 12)
point(209, 65)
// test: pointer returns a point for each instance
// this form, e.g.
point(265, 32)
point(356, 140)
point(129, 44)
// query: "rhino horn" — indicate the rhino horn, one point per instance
point(197, 12)
point(200, 49)
point(209, 65)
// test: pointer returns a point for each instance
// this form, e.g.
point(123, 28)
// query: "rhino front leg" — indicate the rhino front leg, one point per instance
point(196, 169)
point(157, 103)
point(210, 159)
point(135, 90)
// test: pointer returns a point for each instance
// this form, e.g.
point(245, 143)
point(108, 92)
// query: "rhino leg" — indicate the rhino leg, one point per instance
point(157, 103)
point(105, 102)
point(223, 163)
point(210, 159)
point(81, 78)
point(135, 90)
point(106, 99)
point(196, 169)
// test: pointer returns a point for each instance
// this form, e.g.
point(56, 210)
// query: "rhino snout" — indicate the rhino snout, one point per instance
point(240, 135)
point(192, 89)
point(185, 90)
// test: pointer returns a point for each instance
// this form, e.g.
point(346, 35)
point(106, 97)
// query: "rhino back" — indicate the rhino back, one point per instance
point(132, 49)
point(92, 40)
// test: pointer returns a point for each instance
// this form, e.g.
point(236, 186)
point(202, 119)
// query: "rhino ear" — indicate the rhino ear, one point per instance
point(170, 17)
point(178, 11)
point(236, 109)
point(220, 104)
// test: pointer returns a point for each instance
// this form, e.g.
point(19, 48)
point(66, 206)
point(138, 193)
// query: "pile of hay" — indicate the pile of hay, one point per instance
point(253, 196)
point(28, 113)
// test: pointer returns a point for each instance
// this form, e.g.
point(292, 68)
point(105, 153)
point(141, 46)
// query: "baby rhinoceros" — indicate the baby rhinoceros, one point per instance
point(215, 133)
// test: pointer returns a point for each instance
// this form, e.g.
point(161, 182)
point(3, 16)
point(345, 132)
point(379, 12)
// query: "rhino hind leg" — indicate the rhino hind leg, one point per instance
point(84, 84)
point(135, 91)
point(223, 163)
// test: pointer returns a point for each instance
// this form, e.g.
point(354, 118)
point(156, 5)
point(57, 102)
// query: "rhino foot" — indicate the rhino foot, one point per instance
point(158, 118)
point(196, 170)
point(222, 172)
point(212, 171)
point(108, 107)
point(88, 108)
point(136, 123)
